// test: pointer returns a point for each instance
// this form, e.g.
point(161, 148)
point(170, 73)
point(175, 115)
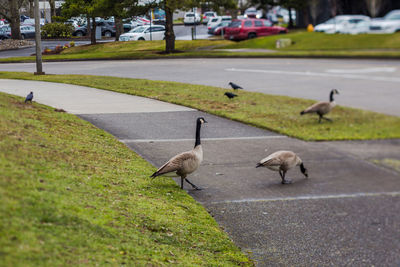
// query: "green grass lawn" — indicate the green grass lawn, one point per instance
point(71, 194)
point(276, 113)
point(306, 41)
point(305, 45)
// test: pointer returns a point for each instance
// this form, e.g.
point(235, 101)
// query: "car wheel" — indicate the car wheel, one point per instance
point(107, 34)
point(252, 35)
point(282, 32)
point(79, 34)
point(141, 39)
point(22, 36)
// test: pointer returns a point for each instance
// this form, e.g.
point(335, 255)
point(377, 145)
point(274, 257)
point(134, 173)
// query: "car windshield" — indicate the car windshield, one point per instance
point(226, 19)
point(189, 15)
point(392, 16)
point(214, 19)
point(138, 29)
point(335, 21)
point(235, 24)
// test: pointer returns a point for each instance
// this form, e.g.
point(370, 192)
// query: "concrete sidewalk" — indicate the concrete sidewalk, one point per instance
point(345, 213)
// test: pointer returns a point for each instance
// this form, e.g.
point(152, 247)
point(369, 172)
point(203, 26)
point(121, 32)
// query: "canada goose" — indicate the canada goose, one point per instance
point(235, 86)
point(230, 95)
point(29, 97)
point(187, 162)
point(282, 161)
point(322, 108)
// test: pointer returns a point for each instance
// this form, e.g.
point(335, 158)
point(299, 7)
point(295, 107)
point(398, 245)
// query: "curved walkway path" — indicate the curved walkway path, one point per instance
point(346, 213)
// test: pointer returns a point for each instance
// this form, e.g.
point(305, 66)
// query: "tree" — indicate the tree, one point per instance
point(170, 6)
point(10, 10)
point(374, 6)
point(314, 10)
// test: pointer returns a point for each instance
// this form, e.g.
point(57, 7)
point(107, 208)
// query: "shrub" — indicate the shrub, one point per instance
point(57, 30)
point(72, 44)
point(58, 19)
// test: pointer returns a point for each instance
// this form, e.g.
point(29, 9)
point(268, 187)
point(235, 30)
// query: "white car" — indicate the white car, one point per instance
point(208, 15)
point(144, 33)
point(191, 18)
point(217, 20)
point(390, 23)
point(339, 23)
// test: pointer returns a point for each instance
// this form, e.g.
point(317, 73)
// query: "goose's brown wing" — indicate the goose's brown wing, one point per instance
point(174, 164)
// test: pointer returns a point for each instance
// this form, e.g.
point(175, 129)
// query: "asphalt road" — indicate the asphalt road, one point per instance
point(345, 214)
point(367, 84)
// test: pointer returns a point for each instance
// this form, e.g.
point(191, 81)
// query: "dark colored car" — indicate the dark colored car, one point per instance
point(242, 29)
point(107, 29)
point(216, 30)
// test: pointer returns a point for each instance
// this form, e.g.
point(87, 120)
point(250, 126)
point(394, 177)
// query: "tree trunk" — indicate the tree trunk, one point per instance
point(333, 5)
point(15, 19)
point(119, 27)
point(88, 26)
point(93, 32)
point(31, 10)
point(52, 9)
point(290, 18)
point(169, 31)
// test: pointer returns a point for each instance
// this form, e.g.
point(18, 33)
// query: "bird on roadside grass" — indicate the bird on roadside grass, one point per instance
point(282, 161)
point(29, 97)
point(322, 108)
point(230, 95)
point(187, 162)
point(235, 86)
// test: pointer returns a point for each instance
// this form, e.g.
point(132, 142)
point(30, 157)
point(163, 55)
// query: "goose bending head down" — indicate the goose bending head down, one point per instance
point(322, 108)
point(282, 161)
point(187, 162)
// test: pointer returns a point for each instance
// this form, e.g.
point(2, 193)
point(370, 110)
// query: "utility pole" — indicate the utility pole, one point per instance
point(38, 40)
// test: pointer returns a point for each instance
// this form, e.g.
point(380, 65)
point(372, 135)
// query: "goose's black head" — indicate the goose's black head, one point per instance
point(334, 91)
point(303, 170)
point(201, 120)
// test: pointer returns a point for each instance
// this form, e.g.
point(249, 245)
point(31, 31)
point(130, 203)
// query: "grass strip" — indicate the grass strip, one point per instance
point(71, 194)
point(272, 112)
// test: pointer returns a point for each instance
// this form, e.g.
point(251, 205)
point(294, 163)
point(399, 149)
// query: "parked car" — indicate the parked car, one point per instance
point(191, 18)
point(216, 30)
point(207, 15)
point(107, 29)
point(217, 20)
point(4, 33)
point(31, 22)
point(252, 13)
point(242, 29)
point(390, 23)
point(27, 32)
point(144, 33)
point(336, 24)
point(355, 26)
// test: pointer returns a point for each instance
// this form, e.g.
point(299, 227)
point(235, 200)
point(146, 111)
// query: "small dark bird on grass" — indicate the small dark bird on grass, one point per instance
point(230, 95)
point(29, 97)
point(235, 86)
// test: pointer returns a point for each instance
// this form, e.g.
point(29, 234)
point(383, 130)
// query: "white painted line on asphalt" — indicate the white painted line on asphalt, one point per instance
point(365, 70)
point(321, 74)
point(355, 195)
point(203, 139)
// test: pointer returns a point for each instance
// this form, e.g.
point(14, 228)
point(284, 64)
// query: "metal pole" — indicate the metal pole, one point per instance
point(151, 18)
point(38, 40)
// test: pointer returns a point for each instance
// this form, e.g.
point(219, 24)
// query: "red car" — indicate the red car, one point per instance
point(241, 29)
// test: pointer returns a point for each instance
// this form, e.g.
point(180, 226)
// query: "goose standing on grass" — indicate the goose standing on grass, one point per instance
point(282, 161)
point(187, 162)
point(322, 108)
point(29, 97)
